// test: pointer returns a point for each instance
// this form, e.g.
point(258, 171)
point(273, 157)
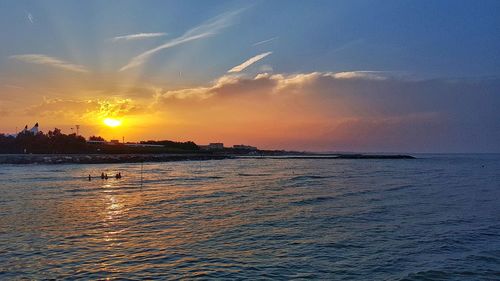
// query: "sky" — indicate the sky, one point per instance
point(363, 76)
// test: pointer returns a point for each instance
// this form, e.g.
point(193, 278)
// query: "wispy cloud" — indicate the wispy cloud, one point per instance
point(142, 58)
point(370, 75)
point(30, 17)
point(265, 41)
point(209, 28)
point(249, 62)
point(138, 36)
point(50, 61)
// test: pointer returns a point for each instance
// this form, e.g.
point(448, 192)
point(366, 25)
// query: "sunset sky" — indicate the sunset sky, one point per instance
point(374, 76)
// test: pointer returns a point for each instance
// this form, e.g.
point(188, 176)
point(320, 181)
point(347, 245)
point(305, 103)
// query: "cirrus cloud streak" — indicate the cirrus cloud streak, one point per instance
point(138, 36)
point(248, 62)
point(207, 29)
point(49, 61)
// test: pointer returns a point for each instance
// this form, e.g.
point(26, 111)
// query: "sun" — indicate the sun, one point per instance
point(111, 122)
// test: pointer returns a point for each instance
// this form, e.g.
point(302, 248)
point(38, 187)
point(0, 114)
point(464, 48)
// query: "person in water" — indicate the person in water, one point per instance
point(90, 178)
point(118, 176)
point(105, 176)
point(102, 175)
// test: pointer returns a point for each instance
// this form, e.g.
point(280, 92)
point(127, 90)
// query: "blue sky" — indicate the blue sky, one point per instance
point(434, 64)
point(422, 38)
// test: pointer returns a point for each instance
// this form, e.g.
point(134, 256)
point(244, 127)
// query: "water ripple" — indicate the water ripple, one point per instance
point(280, 219)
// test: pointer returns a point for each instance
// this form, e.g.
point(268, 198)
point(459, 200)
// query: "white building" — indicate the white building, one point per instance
point(213, 146)
point(33, 130)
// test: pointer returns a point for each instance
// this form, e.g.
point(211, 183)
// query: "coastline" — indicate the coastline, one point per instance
point(103, 158)
point(137, 158)
point(333, 156)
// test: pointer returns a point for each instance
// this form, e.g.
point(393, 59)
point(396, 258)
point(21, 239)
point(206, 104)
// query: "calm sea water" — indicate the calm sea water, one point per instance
point(433, 218)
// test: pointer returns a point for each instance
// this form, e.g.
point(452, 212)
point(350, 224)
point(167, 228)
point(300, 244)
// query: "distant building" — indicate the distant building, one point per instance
point(116, 142)
point(34, 130)
point(213, 146)
point(96, 142)
point(133, 144)
point(244, 147)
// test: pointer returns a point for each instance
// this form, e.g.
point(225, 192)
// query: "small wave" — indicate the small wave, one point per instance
point(126, 188)
point(314, 200)
point(181, 179)
point(399, 187)
point(309, 177)
point(196, 178)
point(75, 190)
point(342, 245)
point(305, 181)
point(219, 194)
point(484, 258)
point(252, 175)
point(432, 275)
point(56, 171)
point(427, 275)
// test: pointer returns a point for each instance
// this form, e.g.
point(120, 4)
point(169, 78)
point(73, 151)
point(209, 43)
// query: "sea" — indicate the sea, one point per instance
point(436, 217)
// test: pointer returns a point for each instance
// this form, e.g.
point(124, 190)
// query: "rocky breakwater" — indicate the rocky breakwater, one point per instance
point(102, 158)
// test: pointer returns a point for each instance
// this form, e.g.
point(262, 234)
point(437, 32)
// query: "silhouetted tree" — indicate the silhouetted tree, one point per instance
point(7, 144)
point(57, 142)
point(189, 145)
point(96, 138)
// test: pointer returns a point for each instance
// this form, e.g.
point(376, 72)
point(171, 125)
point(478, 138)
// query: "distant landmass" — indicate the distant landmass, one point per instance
point(33, 146)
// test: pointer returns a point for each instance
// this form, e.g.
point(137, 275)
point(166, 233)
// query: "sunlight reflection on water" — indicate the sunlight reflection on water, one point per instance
point(435, 217)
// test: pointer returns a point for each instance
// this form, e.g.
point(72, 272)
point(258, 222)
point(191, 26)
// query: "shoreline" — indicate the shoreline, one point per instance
point(137, 158)
point(333, 156)
point(103, 158)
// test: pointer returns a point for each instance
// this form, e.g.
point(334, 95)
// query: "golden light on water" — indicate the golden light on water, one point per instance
point(111, 122)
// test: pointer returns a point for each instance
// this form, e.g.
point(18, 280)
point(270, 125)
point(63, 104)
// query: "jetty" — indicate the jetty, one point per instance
point(103, 158)
point(137, 158)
